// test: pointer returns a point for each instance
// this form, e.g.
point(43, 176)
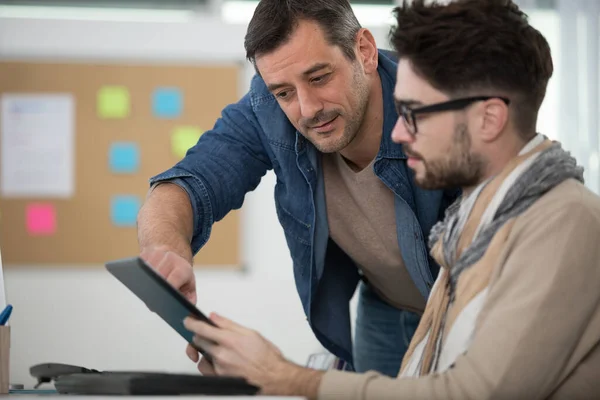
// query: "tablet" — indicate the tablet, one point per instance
point(160, 297)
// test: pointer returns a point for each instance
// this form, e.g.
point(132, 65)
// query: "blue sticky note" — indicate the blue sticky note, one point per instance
point(124, 157)
point(167, 102)
point(124, 210)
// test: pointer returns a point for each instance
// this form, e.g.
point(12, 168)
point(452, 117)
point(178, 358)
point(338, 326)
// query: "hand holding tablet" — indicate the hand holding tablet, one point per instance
point(159, 296)
point(174, 268)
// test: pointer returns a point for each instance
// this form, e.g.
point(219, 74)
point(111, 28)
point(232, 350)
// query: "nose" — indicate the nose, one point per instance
point(400, 134)
point(310, 104)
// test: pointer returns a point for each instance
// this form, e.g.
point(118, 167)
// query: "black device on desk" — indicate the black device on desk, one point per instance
point(159, 296)
point(72, 379)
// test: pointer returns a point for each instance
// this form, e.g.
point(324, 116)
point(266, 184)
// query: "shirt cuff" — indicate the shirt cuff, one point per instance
point(196, 191)
point(341, 385)
point(175, 181)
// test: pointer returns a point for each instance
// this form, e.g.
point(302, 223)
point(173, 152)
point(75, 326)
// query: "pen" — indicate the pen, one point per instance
point(5, 314)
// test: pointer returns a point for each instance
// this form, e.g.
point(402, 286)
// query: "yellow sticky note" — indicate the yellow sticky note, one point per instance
point(113, 102)
point(183, 138)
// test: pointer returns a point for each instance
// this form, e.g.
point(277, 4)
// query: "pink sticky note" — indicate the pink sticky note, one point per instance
point(41, 219)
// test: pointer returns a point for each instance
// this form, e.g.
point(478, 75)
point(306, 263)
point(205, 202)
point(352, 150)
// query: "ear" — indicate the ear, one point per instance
point(367, 50)
point(494, 119)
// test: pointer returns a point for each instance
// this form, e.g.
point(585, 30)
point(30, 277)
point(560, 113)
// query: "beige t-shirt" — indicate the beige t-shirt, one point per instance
point(362, 221)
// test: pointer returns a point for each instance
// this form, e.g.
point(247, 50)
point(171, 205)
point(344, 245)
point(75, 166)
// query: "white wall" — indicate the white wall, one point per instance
point(83, 316)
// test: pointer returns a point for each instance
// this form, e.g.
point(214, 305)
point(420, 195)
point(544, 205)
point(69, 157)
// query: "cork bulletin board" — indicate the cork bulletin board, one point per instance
point(129, 122)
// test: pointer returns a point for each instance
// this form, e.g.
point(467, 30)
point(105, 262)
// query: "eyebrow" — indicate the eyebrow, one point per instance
point(315, 68)
point(407, 102)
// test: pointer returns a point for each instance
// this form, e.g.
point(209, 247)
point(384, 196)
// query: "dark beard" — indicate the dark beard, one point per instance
point(461, 167)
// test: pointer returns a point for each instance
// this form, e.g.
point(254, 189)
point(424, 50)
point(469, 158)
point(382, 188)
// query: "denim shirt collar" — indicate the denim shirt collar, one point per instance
point(387, 73)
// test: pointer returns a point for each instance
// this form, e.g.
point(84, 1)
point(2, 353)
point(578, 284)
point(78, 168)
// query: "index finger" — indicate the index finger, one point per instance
point(228, 324)
point(204, 330)
point(177, 277)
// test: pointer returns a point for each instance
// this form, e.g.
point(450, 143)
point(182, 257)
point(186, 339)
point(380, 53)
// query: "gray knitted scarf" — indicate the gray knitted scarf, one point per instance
point(551, 167)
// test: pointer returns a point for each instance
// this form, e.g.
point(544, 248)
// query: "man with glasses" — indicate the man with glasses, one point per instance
point(319, 113)
point(515, 310)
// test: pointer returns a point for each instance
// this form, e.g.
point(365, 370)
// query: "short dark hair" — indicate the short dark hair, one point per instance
point(274, 21)
point(477, 46)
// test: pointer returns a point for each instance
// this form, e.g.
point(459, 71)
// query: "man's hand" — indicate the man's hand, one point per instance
point(242, 352)
point(174, 268)
point(236, 350)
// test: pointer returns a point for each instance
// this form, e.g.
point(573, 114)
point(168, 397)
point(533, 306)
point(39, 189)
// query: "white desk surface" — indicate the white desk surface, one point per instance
point(73, 397)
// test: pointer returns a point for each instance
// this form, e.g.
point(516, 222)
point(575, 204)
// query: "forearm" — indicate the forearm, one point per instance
point(293, 380)
point(165, 220)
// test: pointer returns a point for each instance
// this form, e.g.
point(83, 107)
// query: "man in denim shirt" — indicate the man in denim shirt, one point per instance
point(319, 113)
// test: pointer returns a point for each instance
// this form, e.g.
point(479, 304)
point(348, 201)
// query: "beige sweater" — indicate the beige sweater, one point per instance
point(538, 334)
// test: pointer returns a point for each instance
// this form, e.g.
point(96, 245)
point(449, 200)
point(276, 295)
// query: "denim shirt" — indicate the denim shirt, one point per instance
point(253, 136)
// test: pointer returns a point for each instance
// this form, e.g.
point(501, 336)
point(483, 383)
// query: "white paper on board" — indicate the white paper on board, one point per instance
point(37, 142)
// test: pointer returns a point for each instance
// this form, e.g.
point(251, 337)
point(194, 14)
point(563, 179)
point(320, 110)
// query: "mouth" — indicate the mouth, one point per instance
point(411, 158)
point(326, 127)
point(409, 153)
point(411, 161)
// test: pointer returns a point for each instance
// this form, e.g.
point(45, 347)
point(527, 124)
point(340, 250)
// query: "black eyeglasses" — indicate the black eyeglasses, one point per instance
point(408, 114)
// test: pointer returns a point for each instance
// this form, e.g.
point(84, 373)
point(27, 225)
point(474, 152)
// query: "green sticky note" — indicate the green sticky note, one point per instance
point(113, 102)
point(183, 138)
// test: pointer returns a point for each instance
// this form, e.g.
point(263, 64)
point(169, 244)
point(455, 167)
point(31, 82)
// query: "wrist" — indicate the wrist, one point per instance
point(181, 251)
point(294, 380)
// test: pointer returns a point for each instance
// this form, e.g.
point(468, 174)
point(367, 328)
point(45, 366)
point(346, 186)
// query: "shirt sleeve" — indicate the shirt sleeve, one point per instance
point(227, 162)
point(534, 317)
